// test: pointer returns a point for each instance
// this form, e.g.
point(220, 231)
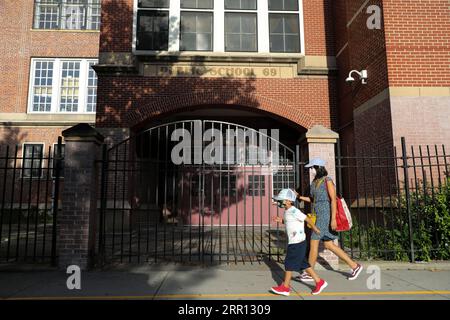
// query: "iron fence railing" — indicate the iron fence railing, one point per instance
point(399, 203)
point(29, 195)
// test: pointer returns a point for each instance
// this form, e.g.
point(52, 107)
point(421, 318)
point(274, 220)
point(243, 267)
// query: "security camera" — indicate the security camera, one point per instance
point(350, 79)
point(362, 75)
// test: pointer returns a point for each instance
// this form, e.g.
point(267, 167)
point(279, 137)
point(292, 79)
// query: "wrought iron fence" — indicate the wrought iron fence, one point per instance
point(400, 203)
point(29, 194)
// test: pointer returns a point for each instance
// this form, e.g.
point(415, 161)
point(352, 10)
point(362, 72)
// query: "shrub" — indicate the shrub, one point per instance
point(430, 216)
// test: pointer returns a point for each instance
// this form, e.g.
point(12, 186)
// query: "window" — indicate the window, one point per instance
point(256, 185)
point(153, 30)
point(282, 179)
point(67, 14)
point(196, 31)
point(197, 4)
point(43, 86)
point(154, 3)
point(240, 32)
point(63, 85)
point(63, 150)
point(224, 185)
point(218, 26)
point(70, 86)
point(32, 160)
point(283, 5)
point(240, 4)
point(284, 27)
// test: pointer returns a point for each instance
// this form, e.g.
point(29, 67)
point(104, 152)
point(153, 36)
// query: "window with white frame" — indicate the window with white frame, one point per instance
point(196, 25)
point(282, 179)
point(262, 26)
point(241, 25)
point(63, 85)
point(256, 185)
point(284, 26)
point(33, 154)
point(67, 14)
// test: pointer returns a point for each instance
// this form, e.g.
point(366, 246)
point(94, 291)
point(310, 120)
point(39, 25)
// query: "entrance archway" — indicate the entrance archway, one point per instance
point(195, 190)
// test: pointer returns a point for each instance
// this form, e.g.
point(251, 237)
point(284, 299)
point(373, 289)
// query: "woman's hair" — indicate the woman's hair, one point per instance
point(320, 172)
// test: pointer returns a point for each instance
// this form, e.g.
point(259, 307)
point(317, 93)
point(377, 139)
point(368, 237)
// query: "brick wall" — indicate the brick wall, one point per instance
point(19, 43)
point(10, 135)
point(421, 120)
point(418, 42)
point(365, 50)
point(319, 28)
point(118, 97)
point(411, 50)
point(116, 26)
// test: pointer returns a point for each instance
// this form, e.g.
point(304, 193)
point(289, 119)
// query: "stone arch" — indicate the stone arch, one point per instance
point(178, 103)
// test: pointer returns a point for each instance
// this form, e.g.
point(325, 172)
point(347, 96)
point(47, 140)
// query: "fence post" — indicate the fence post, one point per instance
point(320, 142)
point(56, 198)
point(408, 197)
point(77, 223)
point(101, 243)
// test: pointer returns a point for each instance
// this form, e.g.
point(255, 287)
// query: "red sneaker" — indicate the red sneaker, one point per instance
point(281, 289)
point(322, 284)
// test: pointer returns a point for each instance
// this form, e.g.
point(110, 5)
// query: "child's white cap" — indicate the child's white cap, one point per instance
point(286, 194)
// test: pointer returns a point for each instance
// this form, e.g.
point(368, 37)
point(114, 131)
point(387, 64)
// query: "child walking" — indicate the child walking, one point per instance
point(295, 259)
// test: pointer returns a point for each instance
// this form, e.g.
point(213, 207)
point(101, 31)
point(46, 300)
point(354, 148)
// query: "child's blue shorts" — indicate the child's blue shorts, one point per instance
point(296, 257)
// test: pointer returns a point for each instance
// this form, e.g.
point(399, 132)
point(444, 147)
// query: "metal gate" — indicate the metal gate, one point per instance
point(194, 191)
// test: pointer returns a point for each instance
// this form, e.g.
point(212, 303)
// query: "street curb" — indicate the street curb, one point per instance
point(387, 265)
point(383, 265)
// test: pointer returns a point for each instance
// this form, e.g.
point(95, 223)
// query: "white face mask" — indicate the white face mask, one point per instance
point(313, 172)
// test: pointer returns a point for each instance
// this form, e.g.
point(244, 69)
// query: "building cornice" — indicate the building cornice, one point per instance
point(126, 63)
point(47, 120)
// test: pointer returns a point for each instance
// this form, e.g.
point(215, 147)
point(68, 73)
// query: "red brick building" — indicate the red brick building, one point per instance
point(407, 93)
point(407, 59)
point(47, 50)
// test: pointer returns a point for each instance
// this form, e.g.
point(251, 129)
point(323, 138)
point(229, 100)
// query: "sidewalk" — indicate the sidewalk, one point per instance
point(229, 282)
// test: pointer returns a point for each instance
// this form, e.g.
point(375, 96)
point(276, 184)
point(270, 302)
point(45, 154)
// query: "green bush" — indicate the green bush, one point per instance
point(430, 218)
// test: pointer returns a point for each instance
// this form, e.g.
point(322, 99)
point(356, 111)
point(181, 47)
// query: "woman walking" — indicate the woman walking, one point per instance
point(323, 198)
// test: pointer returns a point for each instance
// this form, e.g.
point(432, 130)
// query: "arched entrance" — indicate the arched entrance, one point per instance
point(195, 191)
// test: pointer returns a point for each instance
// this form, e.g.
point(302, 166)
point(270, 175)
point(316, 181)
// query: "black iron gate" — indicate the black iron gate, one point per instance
point(29, 193)
point(194, 191)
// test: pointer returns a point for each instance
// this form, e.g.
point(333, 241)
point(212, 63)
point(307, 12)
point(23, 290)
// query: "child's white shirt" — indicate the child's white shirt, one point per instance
point(295, 226)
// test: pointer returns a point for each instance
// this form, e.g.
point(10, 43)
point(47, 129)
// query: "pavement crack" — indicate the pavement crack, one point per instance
point(160, 285)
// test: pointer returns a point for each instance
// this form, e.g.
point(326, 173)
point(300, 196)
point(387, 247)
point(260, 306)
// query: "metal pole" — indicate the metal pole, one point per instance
point(407, 195)
point(101, 244)
point(56, 198)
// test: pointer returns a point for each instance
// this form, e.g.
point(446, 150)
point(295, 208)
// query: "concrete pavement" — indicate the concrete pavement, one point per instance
point(230, 282)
